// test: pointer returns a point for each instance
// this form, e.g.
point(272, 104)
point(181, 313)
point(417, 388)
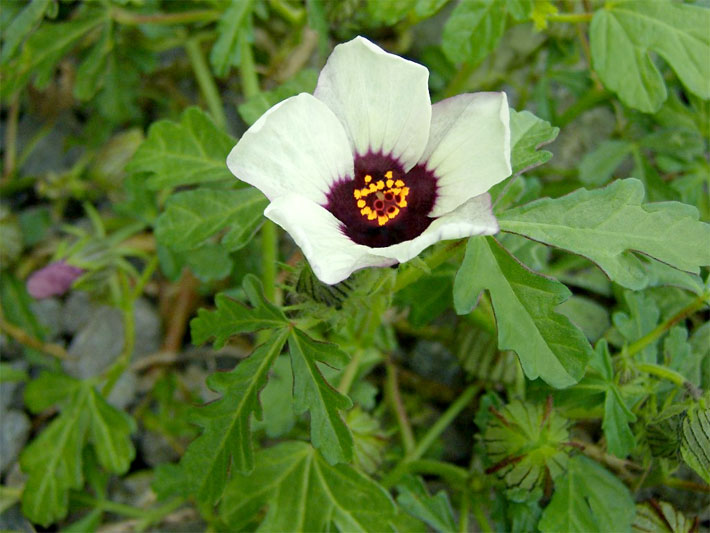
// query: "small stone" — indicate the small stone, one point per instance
point(77, 311)
point(124, 391)
point(14, 429)
point(97, 345)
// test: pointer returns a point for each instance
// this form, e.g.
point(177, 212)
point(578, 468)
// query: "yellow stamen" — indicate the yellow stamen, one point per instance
point(388, 175)
point(368, 178)
point(390, 183)
point(357, 194)
point(380, 185)
point(361, 203)
point(399, 183)
point(371, 215)
point(393, 213)
point(403, 203)
point(382, 220)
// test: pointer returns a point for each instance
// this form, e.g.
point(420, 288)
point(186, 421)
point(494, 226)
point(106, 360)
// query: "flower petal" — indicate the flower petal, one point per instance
point(474, 217)
point(469, 147)
point(298, 146)
point(332, 255)
point(382, 99)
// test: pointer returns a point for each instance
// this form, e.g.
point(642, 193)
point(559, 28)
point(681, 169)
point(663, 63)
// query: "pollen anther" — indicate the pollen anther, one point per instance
point(389, 198)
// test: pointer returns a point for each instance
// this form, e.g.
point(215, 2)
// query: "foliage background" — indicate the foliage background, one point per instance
point(554, 378)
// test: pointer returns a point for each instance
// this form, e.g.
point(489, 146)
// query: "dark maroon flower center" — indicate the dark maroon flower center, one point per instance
point(383, 205)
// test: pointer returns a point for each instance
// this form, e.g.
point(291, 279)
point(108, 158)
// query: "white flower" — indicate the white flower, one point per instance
point(366, 172)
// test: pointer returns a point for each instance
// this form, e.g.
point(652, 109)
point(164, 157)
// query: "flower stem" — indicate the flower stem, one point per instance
point(653, 335)
point(430, 437)
point(350, 372)
point(269, 256)
point(392, 392)
point(481, 517)
point(208, 87)
point(247, 70)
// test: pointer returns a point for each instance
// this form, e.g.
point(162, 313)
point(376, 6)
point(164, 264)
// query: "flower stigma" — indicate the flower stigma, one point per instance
point(387, 197)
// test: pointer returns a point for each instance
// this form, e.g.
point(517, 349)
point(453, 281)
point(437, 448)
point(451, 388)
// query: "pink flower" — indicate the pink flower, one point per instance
point(54, 279)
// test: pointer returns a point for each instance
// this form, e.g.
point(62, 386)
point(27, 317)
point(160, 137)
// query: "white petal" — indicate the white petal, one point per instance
point(475, 217)
point(469, 147)
point(382, 99)
point(332, 255)
point(298, 146)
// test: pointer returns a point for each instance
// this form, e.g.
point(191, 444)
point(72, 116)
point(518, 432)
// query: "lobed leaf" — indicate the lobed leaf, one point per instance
point(192, 217)
point(473, 30)
point(588, 498)
point(300, 491)
point(225, 51)
point(232, 317)
point(225, 444)
point(623, 34)
point(191, 151)
point(434, 510)
point(608, 225)
point(527, 134)
point(312, 392)
point(548, 344)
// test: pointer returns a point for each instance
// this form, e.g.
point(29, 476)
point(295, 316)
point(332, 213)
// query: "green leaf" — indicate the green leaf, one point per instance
point(110, 433)
point(53, 463)
point(10, 374)
point(641, 318)
point(232, 317)
point(302, 492)
point(608, 225)
point(192, 217)
point(598, 165)
point(434, 510)
point(661, 517)
point(20, 26)
point(527, 134)
point(225, 443)
point(623, 34)
point(92, 70)
point(43, 50)
point(695, 441)
point(225, 51)
point(548, 344)
point(313, 393)
point(619, 437)
point(304, 81)
point(588, 498)
point(192, 151)
point(390, 12)
point(473, 30)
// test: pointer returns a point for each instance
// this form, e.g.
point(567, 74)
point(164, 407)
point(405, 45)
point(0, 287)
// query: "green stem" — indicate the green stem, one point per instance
point(662, 372)
point(463, 511)
point(124, 16)
point(409, 274)
point(452, 473)
point(430, 437)
point(481, 517)
point(208, 87)
point(269, 256)
point(247, 70)
point(654, 334)
point(392, 392)
point(570, 17)
point(350, 372)
point(294, 15)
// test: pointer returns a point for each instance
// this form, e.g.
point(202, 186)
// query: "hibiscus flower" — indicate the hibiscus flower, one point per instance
point(366, 172)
